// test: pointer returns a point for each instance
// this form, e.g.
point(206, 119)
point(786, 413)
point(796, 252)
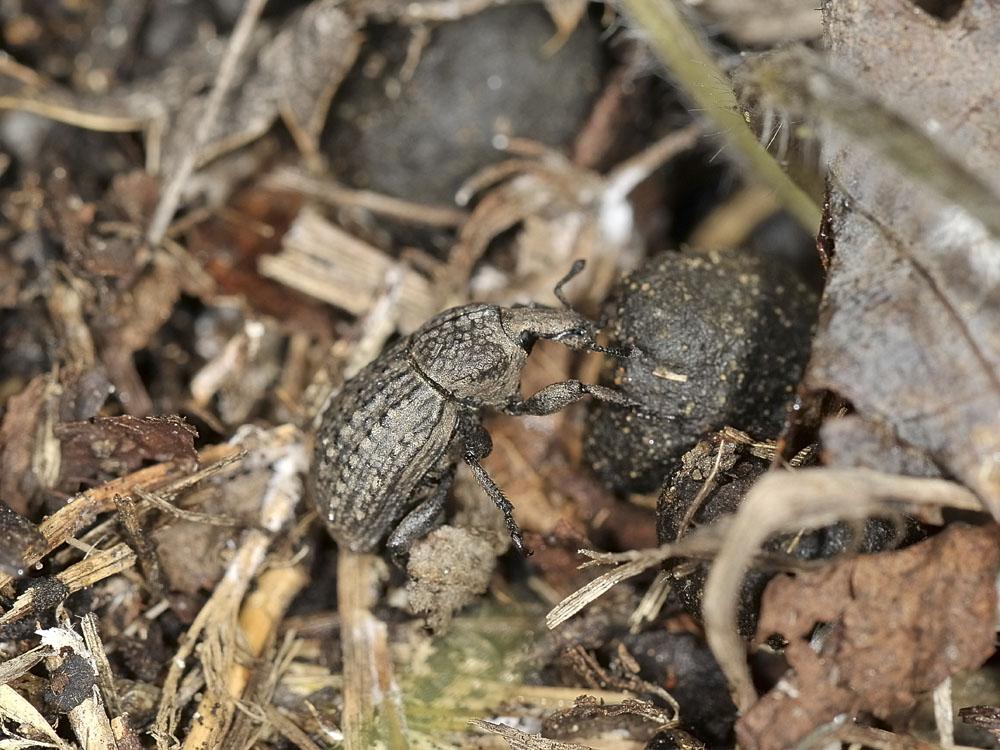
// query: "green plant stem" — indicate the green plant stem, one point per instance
point(709, 89)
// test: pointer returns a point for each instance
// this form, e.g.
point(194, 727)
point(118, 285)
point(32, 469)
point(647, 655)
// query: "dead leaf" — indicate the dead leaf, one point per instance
point(294, 76)
point(910, 329)
point(903, 622)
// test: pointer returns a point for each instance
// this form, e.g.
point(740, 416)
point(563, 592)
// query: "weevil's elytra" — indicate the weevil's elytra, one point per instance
point(388, 443)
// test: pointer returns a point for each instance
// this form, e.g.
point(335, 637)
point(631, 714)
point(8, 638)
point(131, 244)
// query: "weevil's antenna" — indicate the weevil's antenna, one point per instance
point(621, 352)
point(574, 271)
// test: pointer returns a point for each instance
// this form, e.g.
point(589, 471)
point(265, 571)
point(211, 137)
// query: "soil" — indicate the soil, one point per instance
point(215, 214)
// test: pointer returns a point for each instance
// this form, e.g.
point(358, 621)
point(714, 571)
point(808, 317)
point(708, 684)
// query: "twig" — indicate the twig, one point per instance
point(370, 694)
point(385, 205)
point(81, 509)
point(139, 540)
point(258, 622)
point(281, 455)
point(698, 543)
point(88, 718)
point(17, 708)
point(223, 81)
point(102, 564)
point(105, 679)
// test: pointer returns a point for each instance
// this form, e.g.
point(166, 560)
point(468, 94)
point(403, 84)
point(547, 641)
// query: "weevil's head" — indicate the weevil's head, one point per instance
point(526, 325)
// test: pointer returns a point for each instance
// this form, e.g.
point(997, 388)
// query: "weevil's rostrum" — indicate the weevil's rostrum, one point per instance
point(388, 443)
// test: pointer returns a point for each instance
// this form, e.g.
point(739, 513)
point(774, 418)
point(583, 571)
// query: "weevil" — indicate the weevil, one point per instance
point(387, 446)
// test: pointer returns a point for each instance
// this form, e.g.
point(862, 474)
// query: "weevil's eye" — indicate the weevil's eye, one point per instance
point(527, 340)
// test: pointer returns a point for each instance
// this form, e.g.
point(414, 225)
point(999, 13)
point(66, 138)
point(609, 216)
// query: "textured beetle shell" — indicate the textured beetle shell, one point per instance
point(375, 444)
point(393, 426)
point(466, 352)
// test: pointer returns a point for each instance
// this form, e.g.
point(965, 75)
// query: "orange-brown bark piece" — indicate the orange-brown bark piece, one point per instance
point(109, 447)
point(904, 621)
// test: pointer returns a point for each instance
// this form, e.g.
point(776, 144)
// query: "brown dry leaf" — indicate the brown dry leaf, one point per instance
point(21, 423)
point(910, 330)
point(904, 622)
point(291, 72)
point(108, 447)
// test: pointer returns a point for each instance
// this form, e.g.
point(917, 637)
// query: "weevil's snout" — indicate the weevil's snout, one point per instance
point(526, 325)
point(581, 336)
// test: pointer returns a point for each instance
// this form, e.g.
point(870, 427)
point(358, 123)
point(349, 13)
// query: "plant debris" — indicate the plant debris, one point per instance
point(888, 642)
point(215, 214)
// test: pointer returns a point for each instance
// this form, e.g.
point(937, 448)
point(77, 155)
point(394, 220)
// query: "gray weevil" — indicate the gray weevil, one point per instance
point(388, 444)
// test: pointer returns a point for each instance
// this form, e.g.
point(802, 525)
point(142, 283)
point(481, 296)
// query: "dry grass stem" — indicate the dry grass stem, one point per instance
point(171, 196)
point(699, 543)
point(81, 509)
point(258, 623)
point(372, 705)
point(18, 709)
point(322, 260)
point(105, 678)
point(333, 194)
point(283, 457)
point(782, 501)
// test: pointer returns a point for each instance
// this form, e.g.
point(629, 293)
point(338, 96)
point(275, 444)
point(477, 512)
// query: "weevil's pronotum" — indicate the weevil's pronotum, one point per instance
point(388, 444)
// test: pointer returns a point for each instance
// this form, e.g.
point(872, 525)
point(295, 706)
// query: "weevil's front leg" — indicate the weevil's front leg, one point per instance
point(558, 396)
point(418, 522)
point(478, 444)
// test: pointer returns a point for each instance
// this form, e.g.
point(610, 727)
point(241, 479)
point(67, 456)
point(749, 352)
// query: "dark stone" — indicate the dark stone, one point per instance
point(478, 77)
point(722, 338)
point(683, 664)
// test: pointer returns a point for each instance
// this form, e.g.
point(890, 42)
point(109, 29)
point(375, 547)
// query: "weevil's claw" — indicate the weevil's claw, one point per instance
point(515, 536)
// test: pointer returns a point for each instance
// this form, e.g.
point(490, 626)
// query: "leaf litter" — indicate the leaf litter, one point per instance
point(185, 280)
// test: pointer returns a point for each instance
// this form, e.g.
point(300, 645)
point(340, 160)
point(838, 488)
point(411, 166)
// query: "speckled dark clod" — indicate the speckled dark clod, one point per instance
point(723, 338)
point(70, 685)
point(736, 471)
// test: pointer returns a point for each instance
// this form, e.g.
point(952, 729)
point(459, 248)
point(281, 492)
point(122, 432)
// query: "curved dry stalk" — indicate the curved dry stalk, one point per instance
point(804, 498)
point(699, 543)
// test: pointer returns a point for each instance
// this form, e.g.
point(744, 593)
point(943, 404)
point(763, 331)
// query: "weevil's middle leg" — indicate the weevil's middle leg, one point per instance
point(424, 517)
point(477, 445)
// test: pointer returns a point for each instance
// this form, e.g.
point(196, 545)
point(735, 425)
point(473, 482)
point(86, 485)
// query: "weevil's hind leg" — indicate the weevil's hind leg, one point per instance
point(558, 396)
point(478, 444)
point(422, 519)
